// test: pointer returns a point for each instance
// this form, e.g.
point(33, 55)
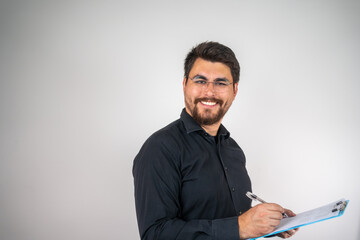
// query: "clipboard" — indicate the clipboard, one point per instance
point(331, 210)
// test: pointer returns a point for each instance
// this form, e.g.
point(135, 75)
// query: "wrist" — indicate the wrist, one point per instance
point(242, 232)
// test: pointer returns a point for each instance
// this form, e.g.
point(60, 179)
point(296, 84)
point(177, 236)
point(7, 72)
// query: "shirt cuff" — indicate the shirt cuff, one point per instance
point(226, 229)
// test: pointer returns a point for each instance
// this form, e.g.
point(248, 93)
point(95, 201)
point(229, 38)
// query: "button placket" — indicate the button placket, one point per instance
point(228, 177)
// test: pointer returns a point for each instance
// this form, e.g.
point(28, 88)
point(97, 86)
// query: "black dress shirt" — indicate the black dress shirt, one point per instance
point(190, 185)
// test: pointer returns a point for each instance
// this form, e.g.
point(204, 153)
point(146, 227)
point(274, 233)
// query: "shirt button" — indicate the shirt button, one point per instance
point(226, 169)
point(233, 189)
point(240, 213)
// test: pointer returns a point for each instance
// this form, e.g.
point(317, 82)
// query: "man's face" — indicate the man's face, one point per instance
point(208, 103)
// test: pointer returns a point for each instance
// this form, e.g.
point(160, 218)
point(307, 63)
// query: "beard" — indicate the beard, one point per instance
point(206, 118)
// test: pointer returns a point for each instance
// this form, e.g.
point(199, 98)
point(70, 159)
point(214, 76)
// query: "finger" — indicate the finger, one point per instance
point(286, 234)
point(274, 223)
point(274, 207)
point(276, 216)
point(289, 233)
point(283, 235)
point(270, 210)
point(289, 212)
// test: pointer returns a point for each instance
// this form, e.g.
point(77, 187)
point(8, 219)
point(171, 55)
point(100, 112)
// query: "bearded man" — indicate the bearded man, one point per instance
point(190, 177)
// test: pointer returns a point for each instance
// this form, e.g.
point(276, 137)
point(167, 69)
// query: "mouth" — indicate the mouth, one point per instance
point(207, 102)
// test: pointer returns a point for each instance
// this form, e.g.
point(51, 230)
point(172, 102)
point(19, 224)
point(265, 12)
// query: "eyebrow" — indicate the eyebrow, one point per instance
point(199, 76)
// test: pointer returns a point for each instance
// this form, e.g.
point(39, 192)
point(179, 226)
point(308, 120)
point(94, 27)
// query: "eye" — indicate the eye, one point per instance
point(200, 82)
point(221, 83)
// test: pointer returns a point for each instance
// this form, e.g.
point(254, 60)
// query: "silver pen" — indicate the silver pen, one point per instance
point(256, 198)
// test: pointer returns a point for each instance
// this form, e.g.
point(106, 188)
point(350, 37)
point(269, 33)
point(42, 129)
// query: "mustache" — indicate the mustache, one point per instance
point(209, 100)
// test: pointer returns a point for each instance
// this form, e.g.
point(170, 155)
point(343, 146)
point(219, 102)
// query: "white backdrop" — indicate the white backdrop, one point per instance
point(84, 83)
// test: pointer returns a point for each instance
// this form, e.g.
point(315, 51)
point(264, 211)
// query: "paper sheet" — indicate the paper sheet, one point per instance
point(309, 217)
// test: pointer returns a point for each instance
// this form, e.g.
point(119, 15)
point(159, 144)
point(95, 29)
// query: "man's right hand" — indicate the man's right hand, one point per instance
point(260, 220)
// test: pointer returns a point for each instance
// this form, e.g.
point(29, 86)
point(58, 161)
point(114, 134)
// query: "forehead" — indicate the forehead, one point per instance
point(210, 69)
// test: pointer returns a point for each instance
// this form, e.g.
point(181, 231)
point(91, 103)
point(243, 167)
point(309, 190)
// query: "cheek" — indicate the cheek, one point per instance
point(228, 99)
point(191, 93)
point(188, 98)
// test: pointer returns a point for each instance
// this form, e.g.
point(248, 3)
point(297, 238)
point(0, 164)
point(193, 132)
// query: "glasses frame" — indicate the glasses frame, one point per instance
point(219, 84)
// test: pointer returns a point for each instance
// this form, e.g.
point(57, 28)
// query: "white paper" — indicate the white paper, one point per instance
point(308, 217)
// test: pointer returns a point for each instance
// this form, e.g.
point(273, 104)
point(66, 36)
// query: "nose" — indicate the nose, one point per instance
point(210, 88)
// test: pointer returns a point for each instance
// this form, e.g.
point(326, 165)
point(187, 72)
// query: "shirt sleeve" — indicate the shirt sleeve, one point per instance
point(157, 181)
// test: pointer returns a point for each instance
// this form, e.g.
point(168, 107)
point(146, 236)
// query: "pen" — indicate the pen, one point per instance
point(254, 197)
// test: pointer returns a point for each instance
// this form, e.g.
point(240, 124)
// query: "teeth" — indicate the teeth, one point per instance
point(209, 103)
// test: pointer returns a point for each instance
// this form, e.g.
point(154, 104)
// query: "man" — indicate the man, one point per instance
point(190, 177)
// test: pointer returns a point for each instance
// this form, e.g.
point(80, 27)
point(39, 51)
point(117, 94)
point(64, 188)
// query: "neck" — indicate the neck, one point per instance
point(211, 129)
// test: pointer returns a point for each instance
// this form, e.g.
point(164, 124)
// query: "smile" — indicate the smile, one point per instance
point(208, 103)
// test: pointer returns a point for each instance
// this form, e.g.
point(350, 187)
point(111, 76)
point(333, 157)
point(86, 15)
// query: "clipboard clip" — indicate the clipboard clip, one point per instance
point(339, 206)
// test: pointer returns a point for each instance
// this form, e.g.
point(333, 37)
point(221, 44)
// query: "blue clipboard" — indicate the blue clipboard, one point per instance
point(329, 211)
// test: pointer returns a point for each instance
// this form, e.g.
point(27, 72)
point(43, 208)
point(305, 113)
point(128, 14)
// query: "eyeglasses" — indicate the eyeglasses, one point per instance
point(219, 85)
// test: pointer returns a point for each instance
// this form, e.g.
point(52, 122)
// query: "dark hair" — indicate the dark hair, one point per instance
point(213, 52)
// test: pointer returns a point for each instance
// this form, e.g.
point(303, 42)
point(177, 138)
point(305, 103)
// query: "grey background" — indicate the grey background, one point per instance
point(84, 83)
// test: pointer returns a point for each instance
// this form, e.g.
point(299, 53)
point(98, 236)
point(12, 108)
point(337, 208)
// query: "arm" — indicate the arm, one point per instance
point(157, 179)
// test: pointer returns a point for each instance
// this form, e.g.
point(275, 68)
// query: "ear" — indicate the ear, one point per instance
point(184, 83)
point(235, 89)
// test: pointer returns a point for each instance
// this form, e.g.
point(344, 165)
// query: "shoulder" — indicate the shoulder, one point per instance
point(162, 145)
point(231, 143)
point(168, 136)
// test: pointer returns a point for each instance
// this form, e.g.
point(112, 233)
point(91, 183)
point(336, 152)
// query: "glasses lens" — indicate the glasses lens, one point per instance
point(218, 85)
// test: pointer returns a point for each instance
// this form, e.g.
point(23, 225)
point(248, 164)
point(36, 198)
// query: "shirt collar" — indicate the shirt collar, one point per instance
point(192, 126)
